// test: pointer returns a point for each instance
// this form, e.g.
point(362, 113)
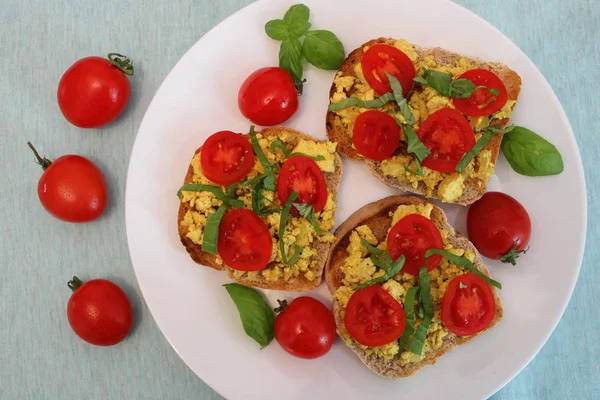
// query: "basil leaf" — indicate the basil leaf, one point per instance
point(418, 341)
point(530, 154)
point(216, 190)
point(277, 144)
point(461, 89)
point(418, 172)
point(297, 19)
point(420, 79)
point(211, 233)
point(257, 316)
point(277, 29)
point(390, 269)
point(282, 224)
point(290, 58)
point(481, 143)
point(323, 49)
point(379, 263)
point(409, 311)
point(269, 176)
point(258, 201)
point(502, 130)
point(378, 252)
point(440, 81)
point(232, 188)
point(465, 263)
point(398, 93)
point(308, 212)
point(314, 158)
point(270, 182)
point(355, 101)
point(414, 144)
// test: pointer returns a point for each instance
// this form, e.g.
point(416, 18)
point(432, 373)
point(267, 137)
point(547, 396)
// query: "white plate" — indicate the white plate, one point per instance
point(195, 313)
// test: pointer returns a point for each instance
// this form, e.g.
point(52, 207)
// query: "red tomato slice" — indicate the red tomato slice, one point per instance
point(412, 236)
point(448, 135)
point(375, 135)
point(302, 175)
point(373, 317)
point(468, 306)
point(226, 157)
point(244, 242)
point(381, 58)
point(482, 102)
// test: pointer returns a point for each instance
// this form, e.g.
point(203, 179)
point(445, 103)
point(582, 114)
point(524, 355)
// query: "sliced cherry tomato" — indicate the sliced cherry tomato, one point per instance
point(482, 102)
point(373, 317)
point(226, 157)
point(375, 135)
point(499, 226)
point(305, 328)
point(302, 175)
point(244, 242)
point(382, 58)
point(268, 96)
point(412, 236)
point(468, 306)
point(448, 135)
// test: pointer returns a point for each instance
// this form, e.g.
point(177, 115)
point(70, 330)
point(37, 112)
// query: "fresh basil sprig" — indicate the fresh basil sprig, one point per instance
point(481, 143)
point(418, 341)
point(321, 48)
point(409, 312)
point(356, 102)
point(257, 317)
point(443, 83)
point(282, 224)
point(465, 263)
point(211, 233)
point(308, 212)
point(530, 154)
point(258, 205)
point(216, 190)
point(382, 260)
point(278, 144)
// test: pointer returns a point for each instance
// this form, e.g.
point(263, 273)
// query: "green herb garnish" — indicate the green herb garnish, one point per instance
point(409, 311)
point(278, 144)
point(308, 212)
point(355, 101)
point(443, 83)
point(530, 154)
point(269, 179)
point(216, 190)
point(258, 200)
point(282, 224)
point(384, 261)
point(398, 93)
point(418, 341)
point(418, 172)
point(211, 233)
point(463, 262)
point(414, 144)
point(481, 143)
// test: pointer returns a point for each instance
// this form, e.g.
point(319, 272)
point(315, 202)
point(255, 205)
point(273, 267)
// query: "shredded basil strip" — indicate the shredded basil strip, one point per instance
point(414, 144)
point(465, 263)
point(269, 181)
point(211, 233)
point(278, 144)
point(282, 224)
point(257, 200)
point(443, 83)
point(378, 252)
point(481, 143)
point(232, 188)
point(354, 101)
point(418, 172)
point(418, 341)
point(409, 311)
point(400, 99)
point(390, 269)
point(216, 190)
point(308, 212)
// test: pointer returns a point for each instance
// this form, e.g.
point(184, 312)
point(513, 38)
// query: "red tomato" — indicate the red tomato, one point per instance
point(226, 157)
point(499, 227)
point(412, 236)
point(448, 135)
point(375, 135)
point(245, 242)
point(302, 175)
point(382, 58)
point(373, 317)
point(99, 311)
point(94, 90)
point(305, 328)
point(268, 96)
point(482, 102)
point(468, 306)
point(72, 188)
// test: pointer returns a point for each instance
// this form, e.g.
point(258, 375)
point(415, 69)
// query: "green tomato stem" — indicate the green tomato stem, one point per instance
point(74, 283)
point(43, 161)
point(121, 62)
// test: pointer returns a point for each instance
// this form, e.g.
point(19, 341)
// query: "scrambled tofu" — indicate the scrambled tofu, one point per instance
point(422, 101)
point(298, 231)
point(358, 268)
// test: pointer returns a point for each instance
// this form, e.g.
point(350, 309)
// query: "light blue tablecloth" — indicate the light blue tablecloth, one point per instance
point(39, 356)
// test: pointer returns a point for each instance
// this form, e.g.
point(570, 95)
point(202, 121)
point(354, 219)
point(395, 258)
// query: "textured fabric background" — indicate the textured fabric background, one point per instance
point(40, 358)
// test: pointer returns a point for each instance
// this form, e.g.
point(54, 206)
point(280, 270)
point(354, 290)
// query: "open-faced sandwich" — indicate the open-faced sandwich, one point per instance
point(407, 288)
point(427, 121)
point(261, 206)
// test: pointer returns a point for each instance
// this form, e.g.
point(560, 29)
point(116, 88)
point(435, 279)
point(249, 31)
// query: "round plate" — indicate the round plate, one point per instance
point(194, 312)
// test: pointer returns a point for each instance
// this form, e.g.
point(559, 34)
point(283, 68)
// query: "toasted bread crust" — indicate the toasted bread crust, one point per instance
point(299, 283)
point(337, 133)
point(376, 216)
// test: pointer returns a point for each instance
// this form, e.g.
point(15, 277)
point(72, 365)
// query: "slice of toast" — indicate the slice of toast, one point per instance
point(377, 216)
point(336, 131)
point(299, 283)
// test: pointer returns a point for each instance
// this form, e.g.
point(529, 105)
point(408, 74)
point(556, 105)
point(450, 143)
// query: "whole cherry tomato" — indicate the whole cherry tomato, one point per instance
point(95, 90)
point(268, 96)
point(305, 328)
point(72, 188)
point(99, 311)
